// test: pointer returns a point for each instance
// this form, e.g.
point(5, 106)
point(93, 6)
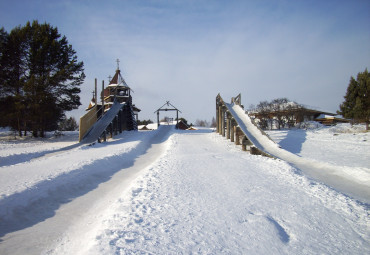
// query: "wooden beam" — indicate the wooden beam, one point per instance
point(228, 126)
point(232, 133)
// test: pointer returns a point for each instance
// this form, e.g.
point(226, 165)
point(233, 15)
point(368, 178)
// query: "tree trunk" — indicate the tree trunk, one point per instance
point(19, 127)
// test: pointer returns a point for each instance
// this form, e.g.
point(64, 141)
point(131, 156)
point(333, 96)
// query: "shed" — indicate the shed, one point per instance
point(330, 119)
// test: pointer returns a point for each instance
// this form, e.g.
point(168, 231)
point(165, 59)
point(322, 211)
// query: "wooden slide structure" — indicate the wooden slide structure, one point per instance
point(231, 126)
point(119, 117)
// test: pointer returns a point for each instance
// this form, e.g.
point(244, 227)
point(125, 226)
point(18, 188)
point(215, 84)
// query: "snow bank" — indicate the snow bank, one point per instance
point(347, 128)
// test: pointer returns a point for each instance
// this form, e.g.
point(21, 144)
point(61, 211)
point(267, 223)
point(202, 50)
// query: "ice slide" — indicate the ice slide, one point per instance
point(98, 128)
point(352, 181)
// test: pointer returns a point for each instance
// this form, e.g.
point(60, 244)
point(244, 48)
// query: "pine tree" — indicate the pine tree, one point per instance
point(69, 124)
point(356, 105)
point(40, 78)
point(12, 99)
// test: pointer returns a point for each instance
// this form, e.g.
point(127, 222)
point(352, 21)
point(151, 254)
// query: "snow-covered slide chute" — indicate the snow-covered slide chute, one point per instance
point(118, 115)
point(234, 123)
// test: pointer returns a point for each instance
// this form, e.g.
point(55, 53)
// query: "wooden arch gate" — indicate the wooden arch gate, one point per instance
point(168, 109)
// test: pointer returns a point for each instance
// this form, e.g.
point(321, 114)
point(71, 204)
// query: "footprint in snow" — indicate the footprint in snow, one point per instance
point(283, 235)
point(136, 192)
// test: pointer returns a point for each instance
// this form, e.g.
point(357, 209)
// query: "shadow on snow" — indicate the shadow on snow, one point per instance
point(293, 141)
point(47, 196)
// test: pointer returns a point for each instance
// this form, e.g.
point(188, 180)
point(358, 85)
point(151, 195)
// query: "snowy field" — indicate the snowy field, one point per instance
point(179, 192)
point(339, 145)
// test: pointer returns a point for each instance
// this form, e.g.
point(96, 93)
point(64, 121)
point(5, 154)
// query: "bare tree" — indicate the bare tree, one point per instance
point(213, 122)
point(201, 123)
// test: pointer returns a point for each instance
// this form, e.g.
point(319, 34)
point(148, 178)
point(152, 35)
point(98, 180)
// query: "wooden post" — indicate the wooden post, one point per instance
point(116, 126)
point(220, 120)
point(102, 102)
point(237, 134)
point(120, 120)
point(232, 135)
point(228, 127)
point(217, 124)
point(177, 119)
point(223, 122)
point(255, 151)
point(158, 119)
point(96, 91)
point(244, 143)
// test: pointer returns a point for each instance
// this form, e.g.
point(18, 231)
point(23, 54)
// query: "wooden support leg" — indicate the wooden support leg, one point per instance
point(255, 151)
point(237, 136)
point(120, 121)
point(220, 120)
point(116, 126)
point(232, 135)
point(244, 144)
point(217, 117)
point(223, 123)
point(227, 128)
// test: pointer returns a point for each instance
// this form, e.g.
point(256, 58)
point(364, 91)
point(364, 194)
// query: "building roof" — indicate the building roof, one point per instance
point(330, 117)
point(118, 80)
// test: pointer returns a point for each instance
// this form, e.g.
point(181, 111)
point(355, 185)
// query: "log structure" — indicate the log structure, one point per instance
point(228, 127)
point(114, 114)
point(165, 108)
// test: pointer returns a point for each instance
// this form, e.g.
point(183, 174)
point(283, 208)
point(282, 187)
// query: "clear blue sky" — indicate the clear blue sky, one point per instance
point(189, 51)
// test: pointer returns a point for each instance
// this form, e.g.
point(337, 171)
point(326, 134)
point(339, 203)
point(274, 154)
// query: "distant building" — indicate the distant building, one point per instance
point(182, 125)
point(120, 91)
point(114, 113)
point(330, 119)
point(291, 114)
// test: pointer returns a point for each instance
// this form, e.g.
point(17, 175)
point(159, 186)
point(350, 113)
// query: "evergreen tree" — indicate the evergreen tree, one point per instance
point(356, 105)
point(213, 122)
point(144, 122)
point(68, 124)
point(12, 71)
point(40, 78)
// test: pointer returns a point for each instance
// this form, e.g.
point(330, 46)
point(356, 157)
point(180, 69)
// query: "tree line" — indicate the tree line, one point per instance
point(39, 78)
point(280, 112)
point(356, 105)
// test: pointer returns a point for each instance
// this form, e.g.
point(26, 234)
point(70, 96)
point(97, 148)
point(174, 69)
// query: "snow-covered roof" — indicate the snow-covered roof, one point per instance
point(325, 116)
point(118, 80)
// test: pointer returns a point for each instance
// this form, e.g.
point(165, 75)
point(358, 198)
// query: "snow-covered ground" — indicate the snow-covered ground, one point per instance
point(341, 145)
point(178, 192)
point(354, 181)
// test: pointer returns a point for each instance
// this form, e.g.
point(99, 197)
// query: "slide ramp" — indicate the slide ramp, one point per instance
point(101, 125)
point(339, 177)
point(253, 133)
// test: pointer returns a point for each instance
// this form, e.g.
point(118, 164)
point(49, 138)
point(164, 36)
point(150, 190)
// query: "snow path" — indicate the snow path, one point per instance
point(354, 181)
point(206, 196)
point(85, 180)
